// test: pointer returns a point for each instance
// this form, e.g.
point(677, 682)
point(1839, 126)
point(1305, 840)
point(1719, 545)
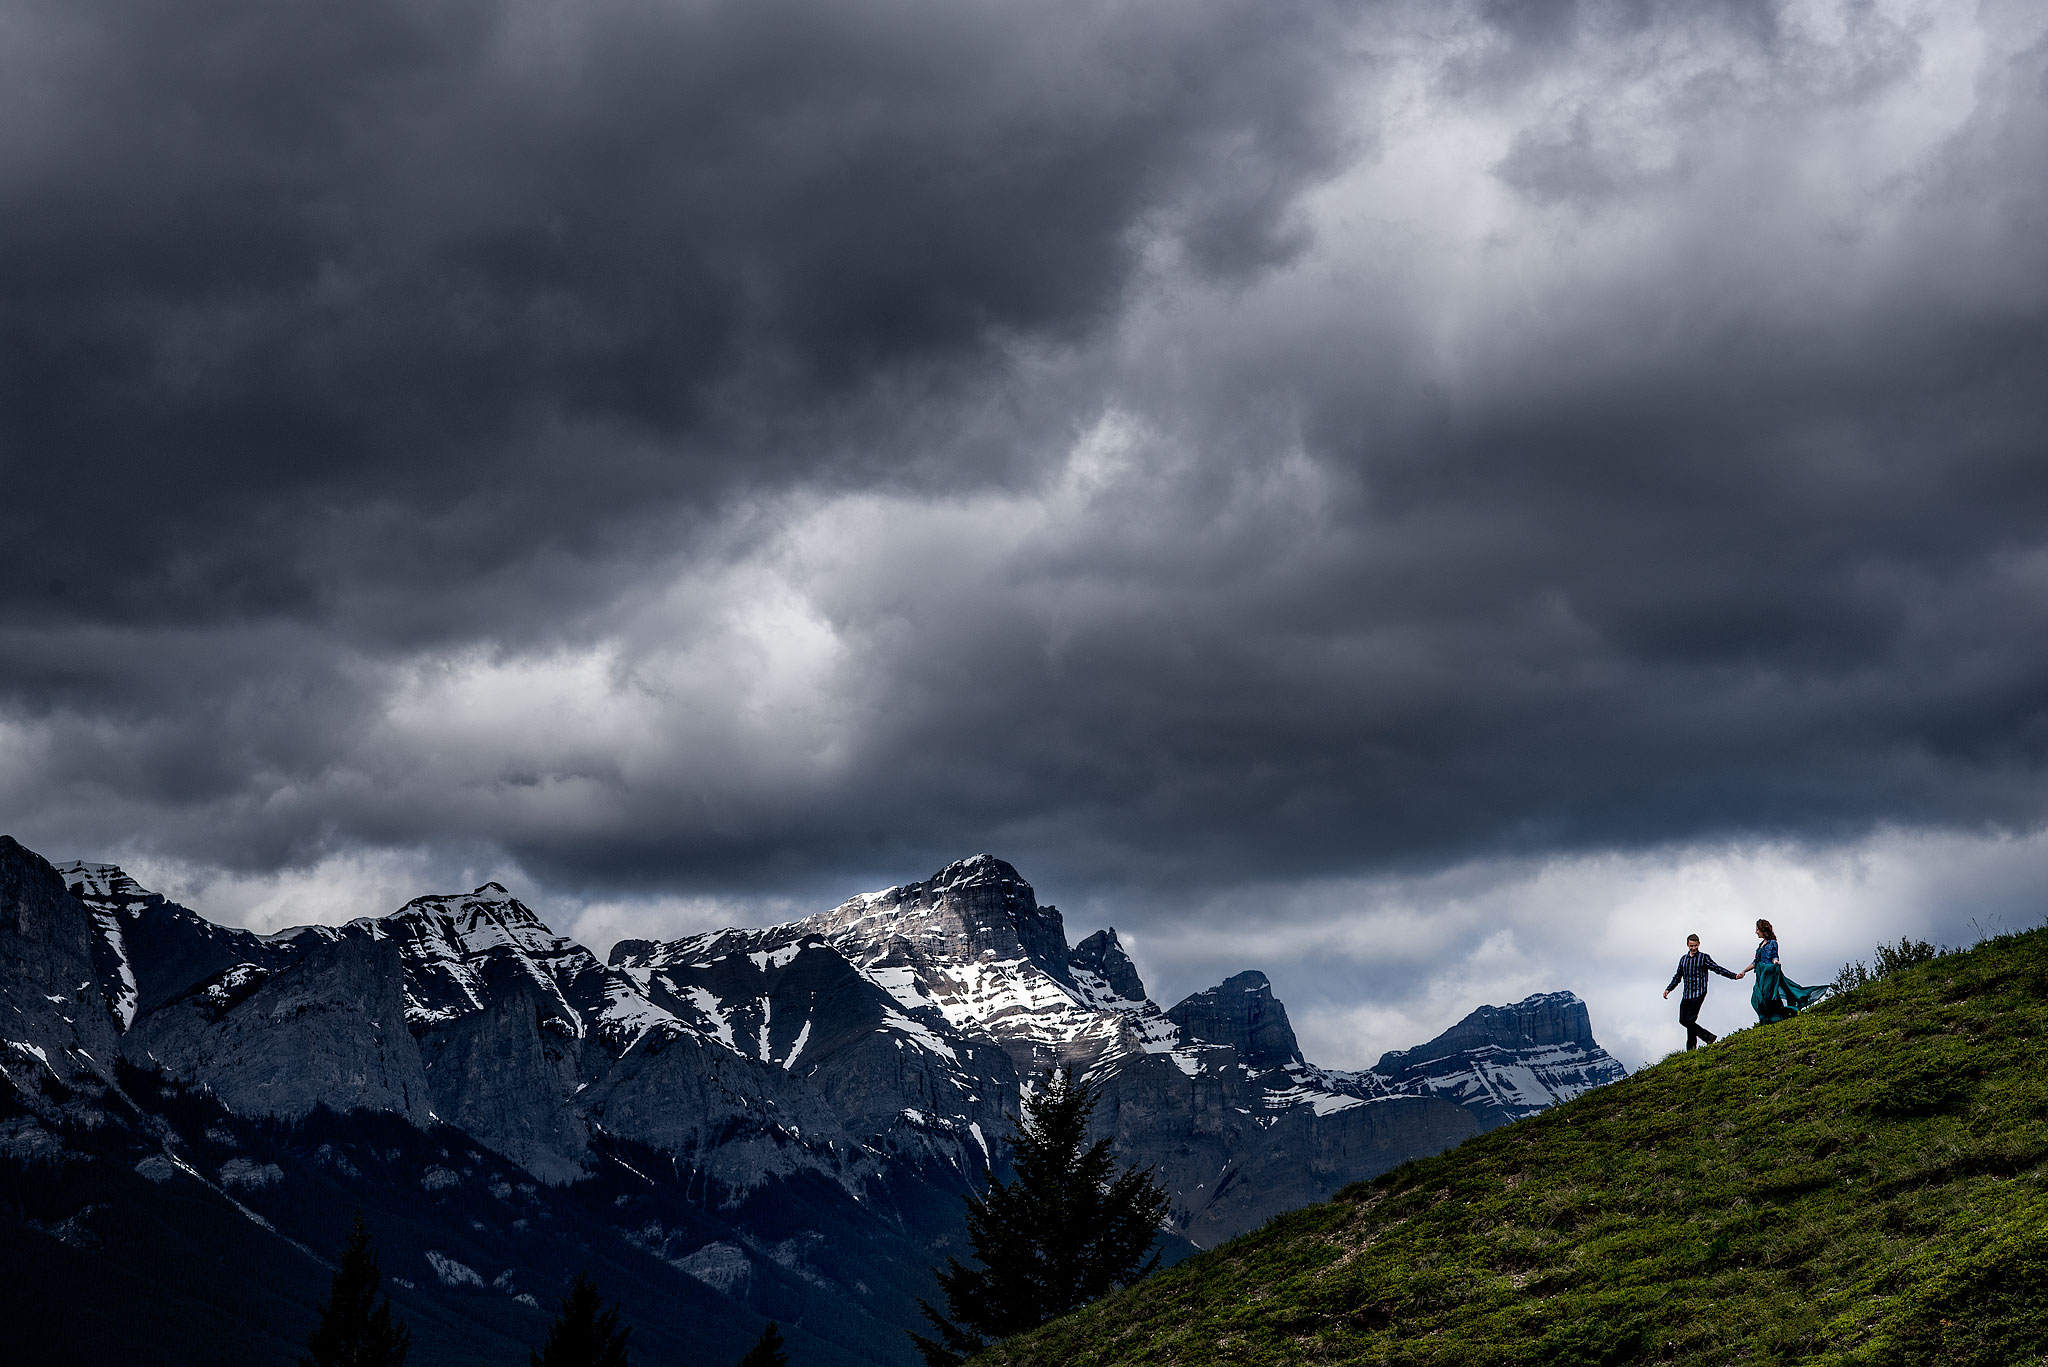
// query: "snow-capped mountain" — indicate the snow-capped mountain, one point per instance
point(1508, 1061)
point(966, 954)
point(1214, 1092)
point(794, 1106)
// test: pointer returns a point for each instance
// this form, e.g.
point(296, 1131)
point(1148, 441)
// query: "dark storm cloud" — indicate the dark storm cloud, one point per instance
point(303, 301)
point(762, 448)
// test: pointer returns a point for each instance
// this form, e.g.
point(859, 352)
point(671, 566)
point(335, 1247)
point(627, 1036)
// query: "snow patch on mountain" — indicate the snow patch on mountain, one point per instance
point(803, 1037)
point(919, 1034)
point(27, 1048)
point(461, 949)
point(973, 943)
point(452, 1273)
point(1520, 1082)
point(713, 1018)
point(107, 891)
point(100, 882)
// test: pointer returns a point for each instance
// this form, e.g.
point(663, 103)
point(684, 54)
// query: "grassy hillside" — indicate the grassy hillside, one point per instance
point(1864, 1184)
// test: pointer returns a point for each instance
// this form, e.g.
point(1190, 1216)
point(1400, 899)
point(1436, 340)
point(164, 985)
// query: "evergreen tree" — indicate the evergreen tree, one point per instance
point(767, 1350)
point(583, 1335)
point(1069, 1229)
point(354, 1330)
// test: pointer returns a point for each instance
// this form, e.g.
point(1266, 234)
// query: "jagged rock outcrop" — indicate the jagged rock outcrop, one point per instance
point(513, 1022)
point(1102, 957)
point(1241, 1013)
point(971, 944)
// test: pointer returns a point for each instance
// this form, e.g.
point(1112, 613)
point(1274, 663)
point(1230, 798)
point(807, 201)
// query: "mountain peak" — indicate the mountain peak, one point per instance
point(89, 879)
point(491, 902)
point(1542, 1019)
point(969, 908)
point(977, 870)
point(632, 952)
point(1240, 1011)
point(1490, 1057)
point(1103, 955)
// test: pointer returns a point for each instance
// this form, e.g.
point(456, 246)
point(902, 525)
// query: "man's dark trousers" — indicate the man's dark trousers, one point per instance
point(1689, 1017)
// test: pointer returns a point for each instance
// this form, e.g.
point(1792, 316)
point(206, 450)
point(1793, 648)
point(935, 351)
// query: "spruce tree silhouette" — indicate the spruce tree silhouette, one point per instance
point(1068, 1230)
point(354, 1330)
point(583, 1335)
point(767, 1350)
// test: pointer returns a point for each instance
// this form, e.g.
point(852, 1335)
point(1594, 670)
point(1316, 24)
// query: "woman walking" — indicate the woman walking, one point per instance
point(1775, 996)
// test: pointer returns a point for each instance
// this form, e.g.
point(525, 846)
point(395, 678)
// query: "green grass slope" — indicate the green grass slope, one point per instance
point(1862, 1185)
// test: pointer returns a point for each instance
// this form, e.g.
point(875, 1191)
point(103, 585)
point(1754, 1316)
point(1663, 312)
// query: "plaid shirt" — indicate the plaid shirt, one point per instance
point(1694, 968)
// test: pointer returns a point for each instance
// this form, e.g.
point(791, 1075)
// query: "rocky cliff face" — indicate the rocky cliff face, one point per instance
point(1101, 963)
point(323, 1024)
point(863, 1061)
point(971, 944)
point(1240, 1013)
point(60, 1005)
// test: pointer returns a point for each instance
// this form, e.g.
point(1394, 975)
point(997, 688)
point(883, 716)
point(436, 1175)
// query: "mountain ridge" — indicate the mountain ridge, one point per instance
point(862, 1060)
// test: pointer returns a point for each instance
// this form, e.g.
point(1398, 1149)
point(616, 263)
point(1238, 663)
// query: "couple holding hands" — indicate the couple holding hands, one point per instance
point(1774, 998)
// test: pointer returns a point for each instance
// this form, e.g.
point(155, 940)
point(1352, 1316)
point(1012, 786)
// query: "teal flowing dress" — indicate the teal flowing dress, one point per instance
point(1775, 996)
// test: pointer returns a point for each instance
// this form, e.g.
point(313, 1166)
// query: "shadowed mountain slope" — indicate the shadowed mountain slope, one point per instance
point(1866, 1184)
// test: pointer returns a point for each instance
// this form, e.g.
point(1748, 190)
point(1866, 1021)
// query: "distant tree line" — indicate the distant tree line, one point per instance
point(357, 1329)
point(1887, 960)
point(1909, 953)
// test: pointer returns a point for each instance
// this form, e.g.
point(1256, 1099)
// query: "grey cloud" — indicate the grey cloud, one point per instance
point(1072, 459)
point(302, 302)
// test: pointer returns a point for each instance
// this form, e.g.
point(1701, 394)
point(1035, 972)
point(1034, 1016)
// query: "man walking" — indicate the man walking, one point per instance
point(1693, 970)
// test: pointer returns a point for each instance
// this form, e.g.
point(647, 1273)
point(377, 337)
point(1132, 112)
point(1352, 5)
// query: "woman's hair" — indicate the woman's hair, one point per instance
point(1763, 928)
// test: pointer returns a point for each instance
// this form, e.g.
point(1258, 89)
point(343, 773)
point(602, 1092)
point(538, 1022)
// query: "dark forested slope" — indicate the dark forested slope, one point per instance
point(1864, 1184)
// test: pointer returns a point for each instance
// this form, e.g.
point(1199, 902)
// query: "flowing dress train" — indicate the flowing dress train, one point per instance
point(1775, 996)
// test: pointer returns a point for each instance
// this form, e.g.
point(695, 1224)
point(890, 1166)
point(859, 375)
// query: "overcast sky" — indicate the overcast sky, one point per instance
point(1433, 501)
